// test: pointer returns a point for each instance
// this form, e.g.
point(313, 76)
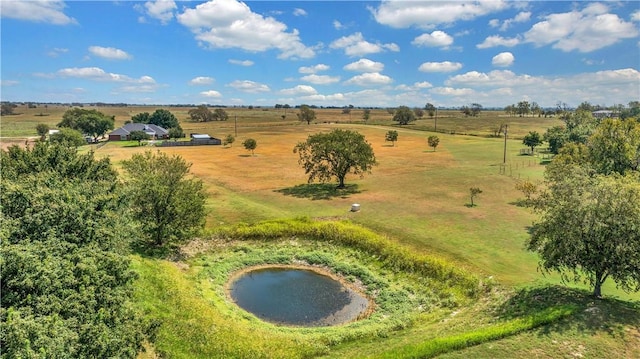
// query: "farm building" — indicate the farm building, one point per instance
point(205, 139)
point(124, 133)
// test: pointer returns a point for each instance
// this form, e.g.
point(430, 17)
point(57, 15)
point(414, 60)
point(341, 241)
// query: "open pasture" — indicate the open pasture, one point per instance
point(416, 197)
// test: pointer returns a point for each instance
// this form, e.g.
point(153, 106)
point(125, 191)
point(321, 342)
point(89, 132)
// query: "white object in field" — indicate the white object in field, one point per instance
point(355, 207)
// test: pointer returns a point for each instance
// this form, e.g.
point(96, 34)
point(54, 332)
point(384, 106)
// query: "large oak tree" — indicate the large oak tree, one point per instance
point(334, 155)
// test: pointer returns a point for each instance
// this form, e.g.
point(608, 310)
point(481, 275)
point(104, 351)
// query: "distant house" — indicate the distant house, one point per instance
point(124, 133)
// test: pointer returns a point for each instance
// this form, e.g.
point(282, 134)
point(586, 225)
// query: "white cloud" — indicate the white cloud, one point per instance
point(201, 80)
point(338, 25)
point(246, 63)
point(50, 12)
point(211, 94)
point(9, 82)
point(299, 12)
point(445, 66)
point(138, 88)
point(232, 24)
point(110, 53)
point(435, 39)
point(596, 87)
point(415, 87)
point(497, 40)
point(450, 91)
point(98, 74)
point(503, 59)
point(325, 99)
point(523, 16)
point(300, 90)
point(313, 69)
point(587, 30)
point(161, 10)
point(249, 86)
point(356, 45)
point(369, 79)
point(635, 16)
point(320, 79)
point(404, 14)
point(365, 65)
point(57, 51)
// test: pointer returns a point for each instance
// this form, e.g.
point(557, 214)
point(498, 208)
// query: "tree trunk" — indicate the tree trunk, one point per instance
point(341, 182)
point(597, 289)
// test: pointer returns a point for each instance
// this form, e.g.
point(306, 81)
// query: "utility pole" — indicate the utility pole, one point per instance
point(236, 124)
point(504, 159)
point(435, 123)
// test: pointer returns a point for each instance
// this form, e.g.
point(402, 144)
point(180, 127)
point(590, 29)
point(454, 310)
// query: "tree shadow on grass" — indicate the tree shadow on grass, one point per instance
point(317, 191)
point(592, 315)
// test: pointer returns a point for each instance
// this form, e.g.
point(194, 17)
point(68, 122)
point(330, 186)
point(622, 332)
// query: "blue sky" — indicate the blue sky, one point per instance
point(361, 53)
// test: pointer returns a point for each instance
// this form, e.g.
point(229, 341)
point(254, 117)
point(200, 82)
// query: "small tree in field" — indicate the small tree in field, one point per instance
point(433, 141)
point(474, 191)
point(403, 115)
point(306, 114)
point(229, 140)
point(250, 145)
point(532, 140)
point(391, 136)
point(366, 115)
point(43, 130)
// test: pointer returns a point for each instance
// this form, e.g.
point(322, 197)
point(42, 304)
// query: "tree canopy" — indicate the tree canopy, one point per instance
point(250, 145)
point(306, 114)
point(532, 140)
point(403, 115)
point(165, 200)
point(66, 284)
point(335, 154)
point(90, 122)
point(163, 118)
point(588, 230)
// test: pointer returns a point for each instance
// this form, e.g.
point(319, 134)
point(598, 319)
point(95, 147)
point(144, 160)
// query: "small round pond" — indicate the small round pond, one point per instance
point(298, 297)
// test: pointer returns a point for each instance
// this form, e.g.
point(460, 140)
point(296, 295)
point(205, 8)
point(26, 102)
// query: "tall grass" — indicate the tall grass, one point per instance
point(446, 276)
point(438, 346)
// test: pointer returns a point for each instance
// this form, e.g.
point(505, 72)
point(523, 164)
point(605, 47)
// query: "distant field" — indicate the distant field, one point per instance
point(23, 124)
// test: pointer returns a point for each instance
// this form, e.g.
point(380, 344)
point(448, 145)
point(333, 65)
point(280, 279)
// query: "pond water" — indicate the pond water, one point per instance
point(298, 297)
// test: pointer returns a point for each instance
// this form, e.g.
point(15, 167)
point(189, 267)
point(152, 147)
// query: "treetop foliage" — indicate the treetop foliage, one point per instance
point(403, 115)
point(335, 154)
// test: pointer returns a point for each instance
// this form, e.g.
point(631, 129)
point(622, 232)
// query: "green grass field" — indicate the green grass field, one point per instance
point(417, 198)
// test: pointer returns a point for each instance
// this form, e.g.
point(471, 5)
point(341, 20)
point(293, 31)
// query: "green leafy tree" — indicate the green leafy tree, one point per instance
point(588, 227)
point(42, 129)
point(556, 137)
point(220, 114)
point(335, 154)
point(138, 136)
point(176, 132)
point(418, 112)
point(306, 114)
point(94, 125)
point(433, 141)
point(476, 108)
point(532, 140)
point(67, 286)
point(614, 147)
point(431, 109)
point(391, 136)
point(201, 114)
point(142, 117)
point(68, 137)
point(7, 108)
point(90, 122)
point(250, 145)
point(523, 108)
point(229, 140)
point(403, 115)
point(474, 192)
point(165, 200)
point(366, 114)
point(163, 118)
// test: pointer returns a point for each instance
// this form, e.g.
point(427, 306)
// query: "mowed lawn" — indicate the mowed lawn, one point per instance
point(416, 195)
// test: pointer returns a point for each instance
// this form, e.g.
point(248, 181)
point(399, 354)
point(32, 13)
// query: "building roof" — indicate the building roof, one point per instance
point(200, 136)
point(148, 128)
